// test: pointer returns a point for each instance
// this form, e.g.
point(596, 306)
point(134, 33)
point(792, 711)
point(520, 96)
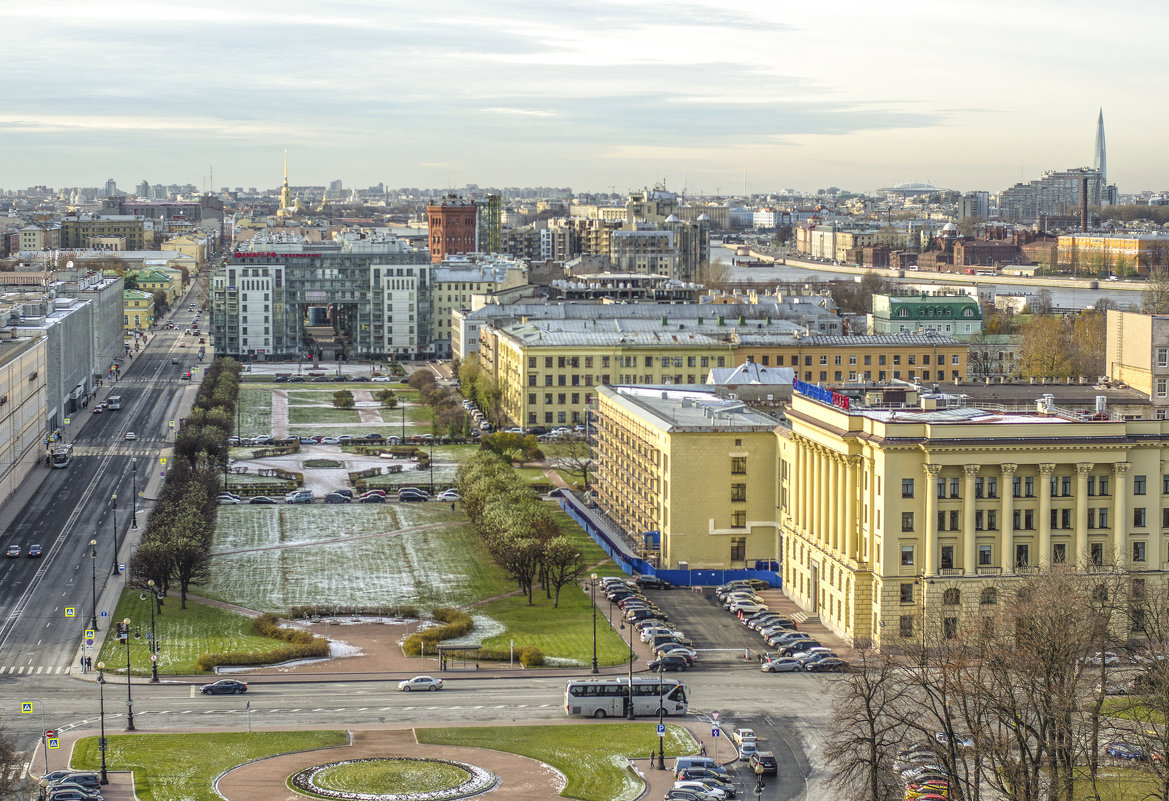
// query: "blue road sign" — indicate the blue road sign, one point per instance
point(104, 613)
point(661, 729)
point(714, 731)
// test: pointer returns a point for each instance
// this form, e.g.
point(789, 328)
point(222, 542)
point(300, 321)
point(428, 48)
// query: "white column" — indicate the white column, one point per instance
point(969, 534)
point(1007, 524)
point(1120, 513)
point(929, 527)
point(1045, 472)
point(1080, 560)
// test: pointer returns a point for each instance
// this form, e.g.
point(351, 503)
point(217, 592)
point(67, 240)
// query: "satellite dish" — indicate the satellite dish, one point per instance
point(69, 266)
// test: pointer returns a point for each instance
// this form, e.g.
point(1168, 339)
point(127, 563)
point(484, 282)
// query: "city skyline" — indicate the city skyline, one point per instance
point(707, 98)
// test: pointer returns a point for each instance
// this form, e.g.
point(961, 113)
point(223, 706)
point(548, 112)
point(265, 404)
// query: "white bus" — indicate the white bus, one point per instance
point(609, 697)
point(61, 456)
point(114, 401)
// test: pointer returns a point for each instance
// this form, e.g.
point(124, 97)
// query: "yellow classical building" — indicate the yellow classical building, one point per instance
point(895, 518)
point(1136, 348)
point(139, 309)
point(550, 376)
point(1122, 253)
point(837, 359)
point(696, 474)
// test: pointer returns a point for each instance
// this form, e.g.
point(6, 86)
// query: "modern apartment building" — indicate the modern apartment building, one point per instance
point(23, 398)
point(649, 443)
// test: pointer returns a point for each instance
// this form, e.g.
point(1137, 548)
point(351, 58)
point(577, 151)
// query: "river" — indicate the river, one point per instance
point(1061, 297)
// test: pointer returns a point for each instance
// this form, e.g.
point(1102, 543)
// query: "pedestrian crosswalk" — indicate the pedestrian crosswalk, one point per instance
point(33, 670)
point(138, 447)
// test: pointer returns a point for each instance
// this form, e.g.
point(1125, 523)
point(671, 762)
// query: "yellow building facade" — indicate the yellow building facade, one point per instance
point(1136, 348)
point(836, 359)
point(895, 519)
point(23, 377)
point(139, 309)
point(699, 472)
point(551, 377)
point(1118, 253)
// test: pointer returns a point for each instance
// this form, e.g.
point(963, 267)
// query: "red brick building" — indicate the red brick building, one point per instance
point(453, 228)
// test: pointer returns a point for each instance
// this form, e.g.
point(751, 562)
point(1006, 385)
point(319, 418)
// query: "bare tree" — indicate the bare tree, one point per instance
point(574, 455)
point(1155, 299)
point(866, 729)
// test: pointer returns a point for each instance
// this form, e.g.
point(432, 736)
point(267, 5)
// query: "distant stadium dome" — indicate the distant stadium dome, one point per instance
point(909, 189)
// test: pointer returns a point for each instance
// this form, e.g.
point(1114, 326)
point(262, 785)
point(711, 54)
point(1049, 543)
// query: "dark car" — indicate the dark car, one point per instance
point(667, 663)
point(281, 379)
point(224, 687)
point(791, 649)
point(1125, 751)
point(372, 498)
point(338, 379)
point(348, 493)
point(261, 499)
point(829, 664)
point(653, 583)
point(296, 379)
point(412, 497)
point(537, 430)
point(34, 552)
point(336, 497)
point(320, 380)
point(374, 437)
point(767, 760)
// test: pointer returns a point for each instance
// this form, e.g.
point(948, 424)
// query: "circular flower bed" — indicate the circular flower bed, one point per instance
point(411, 780)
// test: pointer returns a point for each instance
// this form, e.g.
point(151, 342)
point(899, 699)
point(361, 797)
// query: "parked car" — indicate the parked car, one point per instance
point(411, 497)
point(261, 499)
point(696, 786)
point(653, 583)
point(782, 664)
point(224, 687)
point(740, 736)
point(428, 683)
point(829, 664)
point(369, 497)
point(449, 495)
point(796, 647)
point(667, 663)
point(767, 760)
point(1126, 751)
point(336, 497)
point(227, 497)
point(1107, 657)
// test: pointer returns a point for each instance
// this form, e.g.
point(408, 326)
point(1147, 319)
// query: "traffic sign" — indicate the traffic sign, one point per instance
point(50, 732)
point(54, 743)
point(90, 634)
point(714, 731)
point(89, 643)
point(104, 613)
point(26, 707)
point(154, 657)
point(70, 611)
point(714, 716)
point(172, 425)
point(66, 421)
point(162, 460)
point(122, 567)
point(661, 729)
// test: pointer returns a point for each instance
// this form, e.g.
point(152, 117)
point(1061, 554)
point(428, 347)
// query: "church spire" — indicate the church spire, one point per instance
point(285, 191)
point(1100, 160)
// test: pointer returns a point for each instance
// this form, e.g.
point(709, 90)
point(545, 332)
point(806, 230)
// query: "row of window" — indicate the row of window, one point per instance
point(1024, 486)
point(1024, 519)
point(1059, 554)
point(561, 398)
point(566, 362)
point(883, 375)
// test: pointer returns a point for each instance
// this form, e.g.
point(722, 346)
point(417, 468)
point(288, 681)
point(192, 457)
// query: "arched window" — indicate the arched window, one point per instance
point(952, 597)
point(989, 596)
point(968, 312)
point(903, 312)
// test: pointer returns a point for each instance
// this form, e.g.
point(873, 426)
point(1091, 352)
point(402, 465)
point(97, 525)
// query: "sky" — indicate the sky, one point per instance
point(607, 95)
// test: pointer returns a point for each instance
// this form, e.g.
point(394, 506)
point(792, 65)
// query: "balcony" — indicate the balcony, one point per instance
point(989, 571)
point(951, 571)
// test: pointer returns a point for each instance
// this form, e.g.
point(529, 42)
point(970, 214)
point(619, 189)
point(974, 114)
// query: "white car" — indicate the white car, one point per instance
point(740, 736)
point(381, 379)
point(131, 435)
point(705, 791)
point(228, 498)
point(448, 495)
point(747, 750)
point(1107, 657)
point(420, 683)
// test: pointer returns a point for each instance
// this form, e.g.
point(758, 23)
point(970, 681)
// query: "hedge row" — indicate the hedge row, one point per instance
point(300, 644)
point(407, 612)
point(456, 624)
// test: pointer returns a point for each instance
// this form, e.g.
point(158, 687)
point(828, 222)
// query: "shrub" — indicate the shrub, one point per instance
point(457, 623)
point(320, 610)
point(528, 656)
point(285, 653)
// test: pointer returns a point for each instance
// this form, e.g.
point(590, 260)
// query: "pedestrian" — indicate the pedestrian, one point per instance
point(83, 664)
point(702, 749)
point(89, 663)
point(452, 506)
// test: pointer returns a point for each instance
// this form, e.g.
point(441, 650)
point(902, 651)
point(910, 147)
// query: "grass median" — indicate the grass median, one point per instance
point(592, 757)
point(183, 767)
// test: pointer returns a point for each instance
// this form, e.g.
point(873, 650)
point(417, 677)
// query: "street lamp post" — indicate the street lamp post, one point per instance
point(101, 696)
point(153, 598)
point(661, 721)
point(402, 405)
point(134, 496)
point(593, 596)
point(93, 581)
point(629, 711)
point(114, 518)
point(129, 697)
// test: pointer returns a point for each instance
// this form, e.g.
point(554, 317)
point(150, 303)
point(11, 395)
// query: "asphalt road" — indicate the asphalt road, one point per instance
point(73, 506)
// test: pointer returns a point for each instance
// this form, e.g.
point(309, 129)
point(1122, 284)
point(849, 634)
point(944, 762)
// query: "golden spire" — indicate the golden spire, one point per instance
point(285, 191)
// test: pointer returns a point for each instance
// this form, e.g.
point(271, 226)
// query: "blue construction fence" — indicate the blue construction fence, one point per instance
point(766, 570)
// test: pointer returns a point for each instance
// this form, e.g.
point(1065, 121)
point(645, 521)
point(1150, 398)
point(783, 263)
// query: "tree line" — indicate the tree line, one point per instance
point(517, 528)
point(1018, 700)
point(176, 543)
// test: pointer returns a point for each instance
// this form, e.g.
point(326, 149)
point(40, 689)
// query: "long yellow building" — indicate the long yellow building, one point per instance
point(859, 359)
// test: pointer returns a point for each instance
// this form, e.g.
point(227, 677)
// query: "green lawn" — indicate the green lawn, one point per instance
point(183, 767)
point(183, 635)
point(1132, 708)
point(255, 411)
point(591, 756)
point(302, 415)
point(533, 475)
point(565, 632)
point(446, 463)
point(1118, 784)
point(271, 558)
